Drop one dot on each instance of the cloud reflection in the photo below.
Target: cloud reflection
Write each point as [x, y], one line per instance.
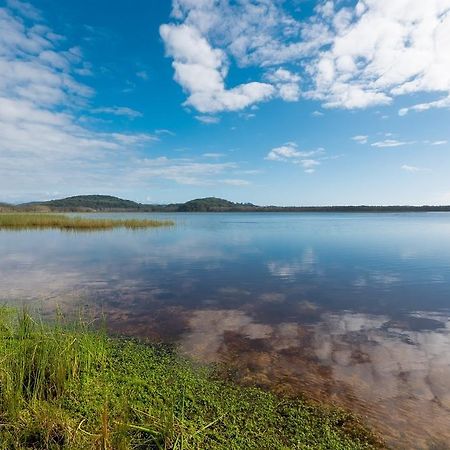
[397, 377]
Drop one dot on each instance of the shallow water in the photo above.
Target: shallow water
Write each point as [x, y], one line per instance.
[352, 308]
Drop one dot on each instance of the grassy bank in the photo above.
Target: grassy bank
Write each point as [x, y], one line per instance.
[29, 221]
[65, 386]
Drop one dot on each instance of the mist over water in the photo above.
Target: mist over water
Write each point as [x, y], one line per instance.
[352, 308]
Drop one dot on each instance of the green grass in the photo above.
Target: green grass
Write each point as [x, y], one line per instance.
[64, 386]
[29, 221]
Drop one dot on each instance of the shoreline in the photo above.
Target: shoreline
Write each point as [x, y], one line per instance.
[67, 385]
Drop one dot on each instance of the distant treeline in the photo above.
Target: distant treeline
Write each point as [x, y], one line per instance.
[107, 203]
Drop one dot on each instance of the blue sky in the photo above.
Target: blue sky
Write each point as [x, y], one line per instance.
[267, 101]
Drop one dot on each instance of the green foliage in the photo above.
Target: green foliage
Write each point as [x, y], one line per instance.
[64, 386]
[88, 202]
[25, 221]
[206, 204]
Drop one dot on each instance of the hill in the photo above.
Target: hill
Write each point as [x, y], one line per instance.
[206, 204]
[85, 203]
[90, 203]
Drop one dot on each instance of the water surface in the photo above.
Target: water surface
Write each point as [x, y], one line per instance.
[350, 308]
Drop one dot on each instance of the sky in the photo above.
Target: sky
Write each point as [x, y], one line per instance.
[266, 101]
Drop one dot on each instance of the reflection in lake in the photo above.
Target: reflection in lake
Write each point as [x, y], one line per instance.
[397, 377]
[352, 308]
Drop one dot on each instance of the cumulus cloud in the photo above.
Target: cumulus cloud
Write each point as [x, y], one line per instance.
[289, 152]
[25, 9]
[201, 70]
[352, 56]
[286, 83]
[382, 49]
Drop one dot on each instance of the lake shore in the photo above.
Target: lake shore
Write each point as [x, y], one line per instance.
[64, 385]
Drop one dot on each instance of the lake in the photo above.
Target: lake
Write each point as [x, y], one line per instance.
[348, 308]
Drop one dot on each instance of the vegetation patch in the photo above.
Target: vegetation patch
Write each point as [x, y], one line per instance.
[29, 221]
[65, 386]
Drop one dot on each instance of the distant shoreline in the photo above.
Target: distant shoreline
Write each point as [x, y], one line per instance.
[106, 203]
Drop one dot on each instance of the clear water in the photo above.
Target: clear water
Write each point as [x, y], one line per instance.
[352, 308]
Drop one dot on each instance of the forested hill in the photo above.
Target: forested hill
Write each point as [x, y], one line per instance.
[108, 203]
[211, 204]
[85, 203]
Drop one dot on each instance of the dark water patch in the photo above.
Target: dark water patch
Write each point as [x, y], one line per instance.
[413, 323]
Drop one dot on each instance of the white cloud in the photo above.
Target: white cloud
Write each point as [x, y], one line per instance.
[283, 153]
[289, 153]
[201, 70]
[119, 111]
[353, 56]
[133, 138]
[413, 169]
[208, 119]
[213, 155]
[235, 182]
[390, 143]
[439, 142]
[309, 164]
[382, 49]
[286, 83]
[25, 9]
[360, 139]
[36, 84]
[257, 32]
[441, 103]
[164, 131]
[181, 171]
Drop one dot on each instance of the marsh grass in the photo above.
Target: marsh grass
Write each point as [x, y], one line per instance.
[65, 386]
[29, 221]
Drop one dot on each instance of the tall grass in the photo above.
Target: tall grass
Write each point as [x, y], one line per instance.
[28, 221]
[64, 386]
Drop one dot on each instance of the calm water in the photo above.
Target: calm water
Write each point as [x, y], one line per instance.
[352, 308]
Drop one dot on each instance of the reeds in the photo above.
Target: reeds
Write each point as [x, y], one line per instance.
[30, 221]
